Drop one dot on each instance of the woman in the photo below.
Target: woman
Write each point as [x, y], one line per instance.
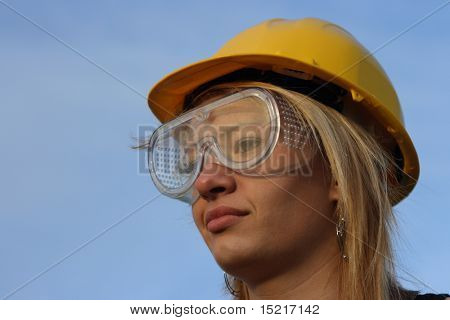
[289, 144]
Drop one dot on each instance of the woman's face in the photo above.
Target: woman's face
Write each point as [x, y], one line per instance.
[264, 225]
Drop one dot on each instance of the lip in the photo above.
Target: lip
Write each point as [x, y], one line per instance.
[222, 217]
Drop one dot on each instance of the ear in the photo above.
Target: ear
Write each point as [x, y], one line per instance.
[333, 194]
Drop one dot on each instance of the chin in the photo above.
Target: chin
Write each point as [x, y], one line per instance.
[234, 256]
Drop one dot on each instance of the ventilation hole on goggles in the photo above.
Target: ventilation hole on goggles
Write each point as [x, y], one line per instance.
[293, 131]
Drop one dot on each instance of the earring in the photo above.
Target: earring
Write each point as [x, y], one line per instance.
[340, 233]
[229, 287]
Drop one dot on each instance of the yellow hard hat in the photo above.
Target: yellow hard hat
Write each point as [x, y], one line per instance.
[312, 46]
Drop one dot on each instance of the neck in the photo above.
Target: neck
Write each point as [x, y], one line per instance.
[314, 279]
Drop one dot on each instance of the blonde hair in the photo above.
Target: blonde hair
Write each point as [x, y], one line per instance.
[366, 175]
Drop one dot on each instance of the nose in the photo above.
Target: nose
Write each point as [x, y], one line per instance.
[215, 180]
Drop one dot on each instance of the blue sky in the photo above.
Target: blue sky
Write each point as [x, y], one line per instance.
[67, 173]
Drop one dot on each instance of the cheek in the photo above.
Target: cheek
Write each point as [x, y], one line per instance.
[304, 186]
[274, 202]
[291, 209]
[284, 159]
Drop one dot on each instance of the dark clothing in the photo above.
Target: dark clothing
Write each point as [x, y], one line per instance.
[432, 296]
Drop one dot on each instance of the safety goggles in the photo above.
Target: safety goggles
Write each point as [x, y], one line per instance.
[239, 131]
